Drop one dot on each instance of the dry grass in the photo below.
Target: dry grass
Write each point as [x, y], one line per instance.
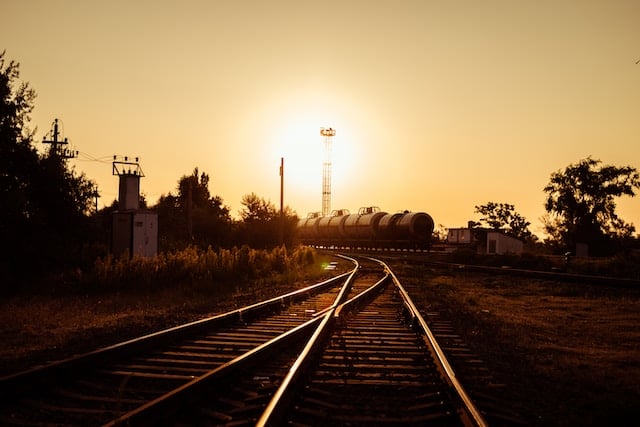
[41, 323]
[569, 353]
[37, 329]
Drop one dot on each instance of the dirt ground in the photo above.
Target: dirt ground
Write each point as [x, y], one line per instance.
[40, 329]
[569, 354]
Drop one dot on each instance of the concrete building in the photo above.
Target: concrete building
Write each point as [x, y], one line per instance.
[499, 243]
[134, 230]
[484, 241]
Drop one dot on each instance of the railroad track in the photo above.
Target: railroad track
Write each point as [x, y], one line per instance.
[98, 387]
[363, 355]
[375, 362]
[374, 369]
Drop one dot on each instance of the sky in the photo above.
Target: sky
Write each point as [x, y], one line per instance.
[437, 106]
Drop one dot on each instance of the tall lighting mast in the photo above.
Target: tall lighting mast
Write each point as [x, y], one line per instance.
[327, 139]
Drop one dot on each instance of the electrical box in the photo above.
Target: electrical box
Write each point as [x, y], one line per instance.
[135, 233]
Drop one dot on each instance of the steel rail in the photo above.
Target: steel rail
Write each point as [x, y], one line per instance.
[471, 414]
[17, 382]
[283, 396]
[155, 410]
[275, 410]
[158, 409]
[274, 413]
[427, 258]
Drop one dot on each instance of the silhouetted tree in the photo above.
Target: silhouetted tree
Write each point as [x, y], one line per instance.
[64, 201]
[43, 204]
[171, 223]
[502, 216]
[101, 229]
[581, 207]
[259, 226]
[262, 226]
[257, 209]
[193, 216]
[195, 186]
[18, 161]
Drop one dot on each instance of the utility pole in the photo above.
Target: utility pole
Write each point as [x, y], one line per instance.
[190, 210]
[281, 200]
[58, 146]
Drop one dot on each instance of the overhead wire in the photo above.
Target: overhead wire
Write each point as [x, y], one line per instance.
[88, 157]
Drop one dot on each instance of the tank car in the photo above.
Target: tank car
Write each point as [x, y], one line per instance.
[362, 228]
[414, 228]
[387, 227]
[308, 227]
[323, 231]
[370, 227]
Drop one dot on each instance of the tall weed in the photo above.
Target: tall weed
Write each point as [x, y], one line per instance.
[198, 268]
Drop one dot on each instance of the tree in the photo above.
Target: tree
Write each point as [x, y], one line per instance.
[64, 201]
[193, 216]
[581, 205]
[18, 161]
[257, 209]
[502, 216]
[262, 226]
[259, 227]
[44, 205]
[18, 158]
[194, 189]
[171, 223]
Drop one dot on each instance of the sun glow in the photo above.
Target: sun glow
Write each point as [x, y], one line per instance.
[301, 146]
[290, 123]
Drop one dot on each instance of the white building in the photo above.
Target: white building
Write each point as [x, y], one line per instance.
[135, 230]
[135, 233]
[499, 243]
[484, 240]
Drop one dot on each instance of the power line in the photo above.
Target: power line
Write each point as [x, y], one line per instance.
[89, 158]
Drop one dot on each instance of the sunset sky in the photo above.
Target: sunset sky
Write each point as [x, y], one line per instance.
[438, 106]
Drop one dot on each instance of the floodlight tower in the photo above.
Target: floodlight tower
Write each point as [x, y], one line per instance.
[327, 140]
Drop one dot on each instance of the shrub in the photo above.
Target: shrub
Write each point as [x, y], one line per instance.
[195, 267]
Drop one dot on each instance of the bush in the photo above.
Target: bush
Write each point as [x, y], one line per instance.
[195, 267]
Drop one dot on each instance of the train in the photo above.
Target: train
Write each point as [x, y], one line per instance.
[369, 228]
